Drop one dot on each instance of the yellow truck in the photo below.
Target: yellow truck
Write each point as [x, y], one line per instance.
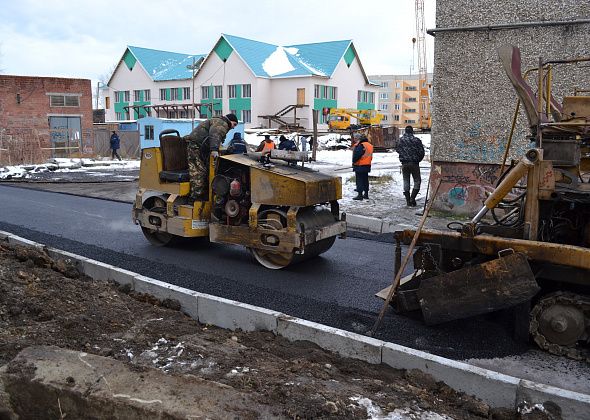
[339, 118]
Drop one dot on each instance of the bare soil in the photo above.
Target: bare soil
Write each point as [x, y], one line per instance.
[48, 302]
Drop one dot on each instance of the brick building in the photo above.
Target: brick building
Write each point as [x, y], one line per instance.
[44, 117]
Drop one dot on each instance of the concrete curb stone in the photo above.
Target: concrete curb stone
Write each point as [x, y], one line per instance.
[234, 315]
[495, 388]
[573, 405]
[345, 343]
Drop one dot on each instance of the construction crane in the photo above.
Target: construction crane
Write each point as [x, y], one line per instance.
[420, 41]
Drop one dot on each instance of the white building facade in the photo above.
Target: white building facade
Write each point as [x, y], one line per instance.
[263, 84]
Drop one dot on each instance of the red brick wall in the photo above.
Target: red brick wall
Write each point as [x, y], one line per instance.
[24, 126]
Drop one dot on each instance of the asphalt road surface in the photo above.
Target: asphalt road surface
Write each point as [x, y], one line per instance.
[335, 289]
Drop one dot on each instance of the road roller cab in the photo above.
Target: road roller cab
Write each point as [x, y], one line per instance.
[281, 211]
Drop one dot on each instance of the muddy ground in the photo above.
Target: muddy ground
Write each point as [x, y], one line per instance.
[47, 302]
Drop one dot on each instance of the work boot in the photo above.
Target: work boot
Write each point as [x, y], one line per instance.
[413, 197]
[408, 201]
[358, 197]
[366, 195]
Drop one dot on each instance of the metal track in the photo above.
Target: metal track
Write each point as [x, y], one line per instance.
[562, 299]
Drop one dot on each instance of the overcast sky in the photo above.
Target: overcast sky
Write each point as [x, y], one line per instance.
[76, 38]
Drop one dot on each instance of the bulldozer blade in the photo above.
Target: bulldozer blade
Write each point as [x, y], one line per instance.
[478, 289]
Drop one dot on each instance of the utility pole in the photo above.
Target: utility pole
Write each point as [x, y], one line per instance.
[192, 68]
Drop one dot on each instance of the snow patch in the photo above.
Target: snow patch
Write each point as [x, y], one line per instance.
[277, 63]
[375, 413]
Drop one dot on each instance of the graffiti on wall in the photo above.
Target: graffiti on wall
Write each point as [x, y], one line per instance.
[464, 186]
[477, 146]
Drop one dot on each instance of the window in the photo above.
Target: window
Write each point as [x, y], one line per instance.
[149, 132]
[410, 110]
[423, 107]
[217, 113]
[384, 118]
[136, 96]
[246, 91]
[316, 91]
[218, 92]
[410, 121]
[183, 114]
[423, 84]
[384, 96]
[64, 100]
[396, 117]
[333, 93]
[119, 115]
[174, 94]
[231, 91]
[162, 94]
[205, 92]
[384, 84]
[398, 85]
[397, 97]
[412, 88]
[325, 92]
[396, 107]
[411, 99]
[246, 116]
[186, 93]
[384, 107]
[147, 96]
[127, 96]
[366, 97]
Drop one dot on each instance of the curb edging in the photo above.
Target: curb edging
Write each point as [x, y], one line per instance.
[496, 389]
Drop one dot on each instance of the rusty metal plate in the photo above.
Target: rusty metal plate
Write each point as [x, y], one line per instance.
[478, 289]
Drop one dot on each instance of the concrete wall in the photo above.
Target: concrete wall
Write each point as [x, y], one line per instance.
[25, 112]
[473, 99]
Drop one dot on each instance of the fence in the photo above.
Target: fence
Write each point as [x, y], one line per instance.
[25, 145]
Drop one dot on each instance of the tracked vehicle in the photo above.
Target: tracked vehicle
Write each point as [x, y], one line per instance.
[280, 210]
[534, 256]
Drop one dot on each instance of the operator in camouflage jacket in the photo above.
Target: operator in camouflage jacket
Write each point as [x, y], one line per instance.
[411, 153]
[206, 137]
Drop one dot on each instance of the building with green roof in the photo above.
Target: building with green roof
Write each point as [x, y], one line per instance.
[265, 85]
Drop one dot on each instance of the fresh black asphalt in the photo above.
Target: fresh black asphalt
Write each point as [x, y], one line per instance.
[335, 289]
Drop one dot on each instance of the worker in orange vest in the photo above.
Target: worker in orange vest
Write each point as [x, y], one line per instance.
[362, 156]
[266, 145]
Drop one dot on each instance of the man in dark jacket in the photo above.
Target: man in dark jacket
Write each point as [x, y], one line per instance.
[411, 153]
[237, 145]
[362, 156]
[200, 142]
[286, 144]
[115, 145]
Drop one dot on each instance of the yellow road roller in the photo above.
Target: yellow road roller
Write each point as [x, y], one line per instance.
[282, 211]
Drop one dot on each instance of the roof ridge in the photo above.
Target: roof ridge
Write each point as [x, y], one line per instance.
[163, 51]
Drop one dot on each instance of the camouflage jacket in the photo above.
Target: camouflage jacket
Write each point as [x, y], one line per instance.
[214, 129]
[410, 149]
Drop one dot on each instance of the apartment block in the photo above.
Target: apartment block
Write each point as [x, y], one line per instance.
[404, 100]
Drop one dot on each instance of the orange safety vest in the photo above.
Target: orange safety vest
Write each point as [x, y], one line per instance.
[367, 157]
[268, 146]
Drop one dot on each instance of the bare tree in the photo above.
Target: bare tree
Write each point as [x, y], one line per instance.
[106, 76]
[103, 79]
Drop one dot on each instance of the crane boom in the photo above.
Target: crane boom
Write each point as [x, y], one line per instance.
[423, 102]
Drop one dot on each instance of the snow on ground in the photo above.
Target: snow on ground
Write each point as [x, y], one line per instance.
[67, 165]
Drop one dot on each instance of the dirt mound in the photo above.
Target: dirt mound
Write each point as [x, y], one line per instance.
[47, 302]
